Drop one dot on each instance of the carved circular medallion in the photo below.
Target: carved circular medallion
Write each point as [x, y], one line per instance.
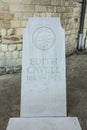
[44, 38]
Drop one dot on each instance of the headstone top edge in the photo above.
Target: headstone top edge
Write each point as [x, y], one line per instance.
[56, 19]
[44, 18]
[52, 19]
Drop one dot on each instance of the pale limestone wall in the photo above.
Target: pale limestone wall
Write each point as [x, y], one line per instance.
[14, 15]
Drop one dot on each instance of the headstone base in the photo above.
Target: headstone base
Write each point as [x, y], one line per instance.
[45, 123]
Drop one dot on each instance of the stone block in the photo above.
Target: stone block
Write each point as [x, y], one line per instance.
[8, 16]
[66, 3]
[27, 1]
[19, 31]
[55, 2]
[58, 9]
[62, 3]
[36, 2]
[48, 14]
[10, 31]
[13, 1]
[45, 2]
[39, 8]
[55, 14]
[10, 62]
[18, 61]
[31, 1]
[15, 23]
[2, 63]
[50, 9]
[16, 7]
[12, 47]
[36, 14]
[19, 47]
[42, 14]
[23, 23]
[54, 9]
[20, 54]
[29, 8]
[0, 48]
[2, 55]
[1, 16]
[6, 40]
[3, 32]
[9, 70]
[8, 55]
[18, 15]
[4, 47]
[1, 24]
[15, 54]
[2, 70]
[0, 42]
[62, 9]
[17, 68]
[26, 15]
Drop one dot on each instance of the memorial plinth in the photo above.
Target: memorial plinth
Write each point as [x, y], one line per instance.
[50, 123]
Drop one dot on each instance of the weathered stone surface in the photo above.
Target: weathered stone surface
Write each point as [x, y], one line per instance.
[29, 8]
[4, 48]
[28, 1]
[36, 2]
[9, 70]
[19, 31]
[16, 7]
[2, 55]
[12, 47]
[0, 39]
[45, 2]
[13, 1]
[19, 47]
[39, 8]
[18, 61]
[8, 55]
[15, 54]
[10, 31]
[2, 70]
[55, 2]
[26, 15]
[50, 9]
[61, 123]
[23, 23]
[43, 79]
[18, 15]
[3, 32]
[17, 68]
[15, 23]
[20, 54]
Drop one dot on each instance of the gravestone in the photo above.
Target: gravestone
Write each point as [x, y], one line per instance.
[43, 92]
[43, 77]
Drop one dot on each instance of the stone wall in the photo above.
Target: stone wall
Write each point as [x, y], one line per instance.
[14, 15]
[84, 45]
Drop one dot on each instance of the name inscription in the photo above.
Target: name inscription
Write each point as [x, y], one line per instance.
[43, 69]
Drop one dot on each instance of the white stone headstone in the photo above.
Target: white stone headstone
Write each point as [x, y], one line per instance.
[43, 91]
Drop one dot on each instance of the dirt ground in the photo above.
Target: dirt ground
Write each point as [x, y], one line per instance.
[10, 86]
